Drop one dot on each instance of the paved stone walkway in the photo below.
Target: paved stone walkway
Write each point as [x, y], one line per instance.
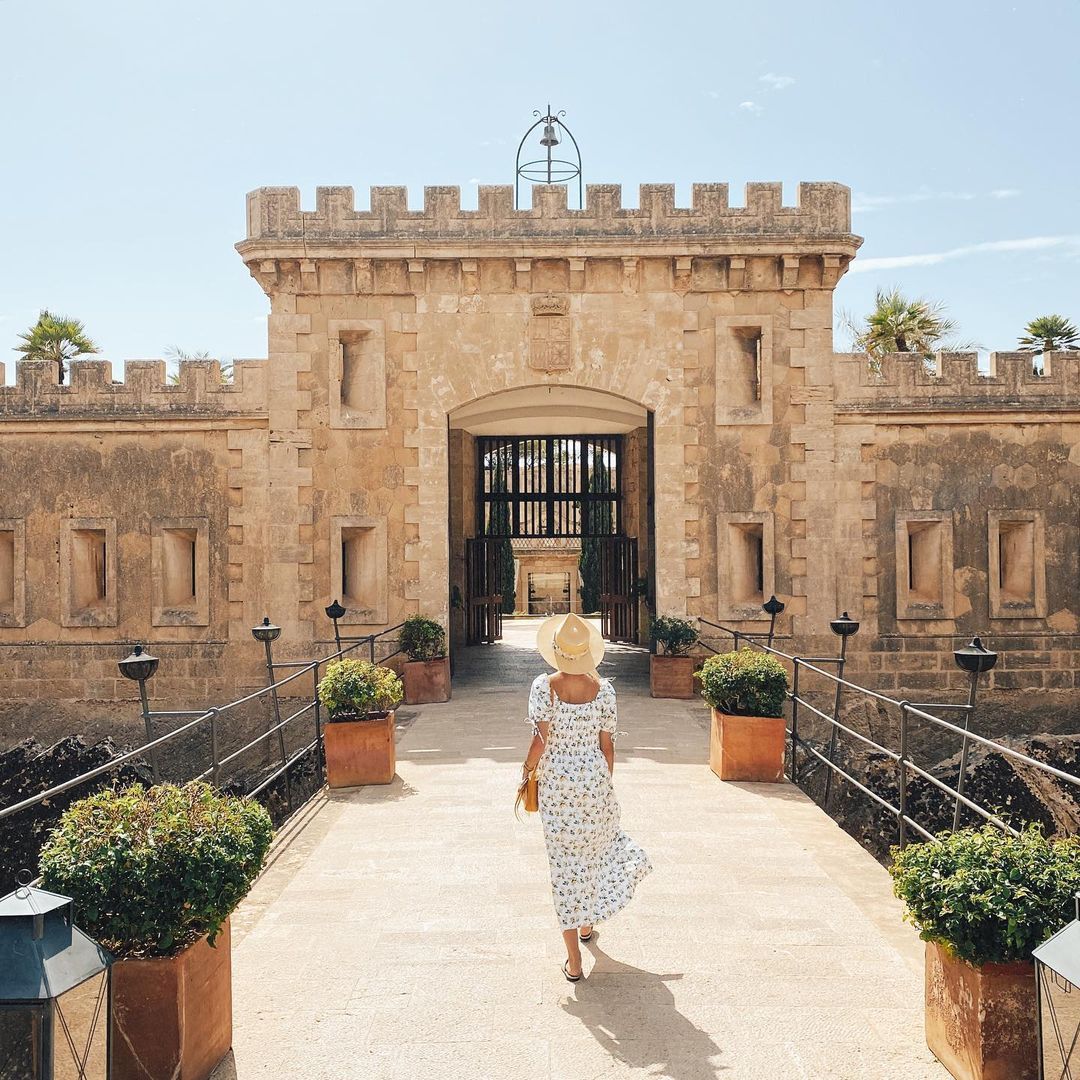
[408, 932]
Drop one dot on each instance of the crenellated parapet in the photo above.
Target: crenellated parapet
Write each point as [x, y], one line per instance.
[90, 390]
[903, 381]
[278, 226]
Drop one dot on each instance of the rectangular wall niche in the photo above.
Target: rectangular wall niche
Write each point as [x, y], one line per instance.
[1017, 550]
[924, 564]
[357, 373]
[745, 564]
[744, 359]
[358, 568]
[180, 571]
[88, 572]
[12, 573]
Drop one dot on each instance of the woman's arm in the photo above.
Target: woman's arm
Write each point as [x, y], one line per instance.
[536, 748]
[607, 748]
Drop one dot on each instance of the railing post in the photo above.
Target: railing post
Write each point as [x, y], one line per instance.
[320, 770]
[973, 658]
[795, 723]
[737, 638]
[215, 753]
[902, 773]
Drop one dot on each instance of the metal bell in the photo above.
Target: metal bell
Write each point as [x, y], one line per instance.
[550, 138]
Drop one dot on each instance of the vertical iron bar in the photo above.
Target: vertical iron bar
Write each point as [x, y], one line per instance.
[277, 718]
[215, 753]
[738, 637]
[371, 640]
[965, 748]
[834, 730]
[155, 771]
[795, 722]
[337, 635]
[772, 628]
[319, 766]
[901, 766]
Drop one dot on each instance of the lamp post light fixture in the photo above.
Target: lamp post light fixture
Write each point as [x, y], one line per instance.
[54, 991]
[974, 658]
[1057, 981]
[139, 666]
[844, 627]
[268, 633]
[336, 611]
[772, 607]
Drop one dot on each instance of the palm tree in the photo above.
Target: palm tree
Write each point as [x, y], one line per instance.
[58, 338]
[1050, 333]
[898, 324]
[176, 354]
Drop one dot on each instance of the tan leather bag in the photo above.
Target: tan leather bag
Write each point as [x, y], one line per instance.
[528, 794]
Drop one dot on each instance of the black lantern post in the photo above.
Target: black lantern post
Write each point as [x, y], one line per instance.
[1057, 978]
[336, 611]
[843, 628]
[139, 666]
[54, 991]
[974, 658]
[268, 633]
[772, 607]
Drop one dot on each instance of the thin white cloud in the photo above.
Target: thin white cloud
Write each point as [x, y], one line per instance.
[750, 106]
[1004, 193]
[714, 94]
[474, 179]
[777, 82]
[1067, 244]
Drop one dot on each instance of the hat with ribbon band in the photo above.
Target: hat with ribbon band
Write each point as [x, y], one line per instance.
[570, 644]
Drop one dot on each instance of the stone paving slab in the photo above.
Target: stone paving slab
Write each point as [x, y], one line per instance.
[407, 932]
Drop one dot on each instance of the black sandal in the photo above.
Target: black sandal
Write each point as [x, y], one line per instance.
[586, 938]
[566, 972]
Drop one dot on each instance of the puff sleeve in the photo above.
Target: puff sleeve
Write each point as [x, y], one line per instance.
[539, 702]
[608, 713]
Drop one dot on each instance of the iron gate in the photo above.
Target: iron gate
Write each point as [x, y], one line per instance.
[618, 589]
[483, 590]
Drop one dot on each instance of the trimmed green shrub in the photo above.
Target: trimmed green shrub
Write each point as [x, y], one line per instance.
[677, 636]
[423, 638]
[358, 690]
[153, 870]
[744, 683]
[986, 896]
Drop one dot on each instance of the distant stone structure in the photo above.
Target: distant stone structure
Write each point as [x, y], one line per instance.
[930, 501]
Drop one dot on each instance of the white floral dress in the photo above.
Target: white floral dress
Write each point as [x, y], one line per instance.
[595, 866]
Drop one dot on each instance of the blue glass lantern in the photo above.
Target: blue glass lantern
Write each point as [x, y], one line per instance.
[54, 991]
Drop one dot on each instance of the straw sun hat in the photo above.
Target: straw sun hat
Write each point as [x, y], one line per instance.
[570, 644]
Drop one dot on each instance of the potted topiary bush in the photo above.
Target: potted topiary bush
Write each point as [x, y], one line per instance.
[982, 900]
[155, 873]
[359, 698]
[671, 672]
[427, 673]
[747, 691]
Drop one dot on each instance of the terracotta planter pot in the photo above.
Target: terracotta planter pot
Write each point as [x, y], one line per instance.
[173, 1016]
[671, 676]
[747, 747]
[981, 1021]
[426, 681]
[360, 752]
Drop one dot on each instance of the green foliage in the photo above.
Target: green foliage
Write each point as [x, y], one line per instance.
[177, 354]
[422, 638]
[898, 324]
[56, 338]
[499, 525]
[744, 683]
[153, 870]
[987, 896]
[597, 523]
[355, 689]
[677, 636]
[1050, 333]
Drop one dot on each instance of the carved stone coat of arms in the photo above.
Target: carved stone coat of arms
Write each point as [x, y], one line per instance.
[549, 334]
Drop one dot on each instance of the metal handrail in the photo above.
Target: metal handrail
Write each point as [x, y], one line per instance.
[210, 716]
[904, 763]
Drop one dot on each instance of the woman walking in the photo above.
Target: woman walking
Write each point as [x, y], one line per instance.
[595, 866]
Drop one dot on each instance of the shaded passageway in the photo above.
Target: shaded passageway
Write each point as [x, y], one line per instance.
[408, 932]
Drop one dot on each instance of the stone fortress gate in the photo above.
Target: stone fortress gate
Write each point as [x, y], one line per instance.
[446, 385]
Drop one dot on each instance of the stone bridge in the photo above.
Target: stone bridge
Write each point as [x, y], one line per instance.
[408, 931]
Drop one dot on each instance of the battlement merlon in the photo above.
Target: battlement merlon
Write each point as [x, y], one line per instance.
[819, 223]
[90, 391]
[903, 382]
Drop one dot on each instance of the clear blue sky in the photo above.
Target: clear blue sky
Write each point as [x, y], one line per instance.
[131, 131]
